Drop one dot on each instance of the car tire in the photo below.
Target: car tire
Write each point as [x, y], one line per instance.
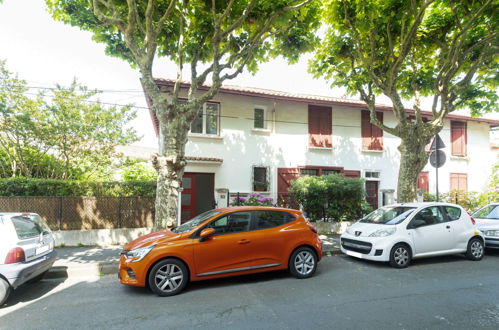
[168, 277]
[4, 291]
[303, 262]
[475, 250]
[400, 256]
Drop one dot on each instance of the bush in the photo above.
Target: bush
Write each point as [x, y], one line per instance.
[330, 197]
[47, 187]
[470, 201]
[254, 199]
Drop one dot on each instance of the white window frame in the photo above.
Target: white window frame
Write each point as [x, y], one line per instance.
[203, 125]
[372, 178]
[267, 178]
[266, 125]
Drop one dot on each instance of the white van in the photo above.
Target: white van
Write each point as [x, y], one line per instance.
[26, 250]
[402, 232]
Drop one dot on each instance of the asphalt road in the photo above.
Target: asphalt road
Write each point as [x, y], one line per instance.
[439, 293]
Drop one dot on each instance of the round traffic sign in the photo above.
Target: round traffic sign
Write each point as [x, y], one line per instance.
[441, 158]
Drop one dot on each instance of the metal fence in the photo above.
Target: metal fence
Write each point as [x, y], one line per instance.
[76, 213]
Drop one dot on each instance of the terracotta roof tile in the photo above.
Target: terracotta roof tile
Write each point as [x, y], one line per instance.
[308, 98]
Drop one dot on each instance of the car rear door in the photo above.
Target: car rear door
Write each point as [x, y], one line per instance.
[271, 240]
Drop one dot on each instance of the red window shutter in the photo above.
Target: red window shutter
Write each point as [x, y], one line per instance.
[314, 128]
[326, 128]
[423, 182]
[320, 126]
[351, 173]
[463, 182]
[377, 134]
[372, 136]
[459, 181]
[458, 136]
[365, 128]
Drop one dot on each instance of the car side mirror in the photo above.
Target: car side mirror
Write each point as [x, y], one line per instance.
[416, 223]
[206, 233]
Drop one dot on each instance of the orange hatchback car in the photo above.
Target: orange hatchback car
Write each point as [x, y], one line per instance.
[219, 243]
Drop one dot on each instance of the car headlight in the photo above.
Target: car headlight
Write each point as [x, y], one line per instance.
[138, 254]
[350, 230]
[494, 233]
[384, 232]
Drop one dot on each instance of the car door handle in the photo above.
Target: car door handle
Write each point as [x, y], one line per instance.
[448, 227]
[243, 241]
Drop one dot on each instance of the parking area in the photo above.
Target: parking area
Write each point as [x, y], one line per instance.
[439, 293]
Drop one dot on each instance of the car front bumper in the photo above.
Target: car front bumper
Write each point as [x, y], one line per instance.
[370, 248]
[21, 272]
[492, 242]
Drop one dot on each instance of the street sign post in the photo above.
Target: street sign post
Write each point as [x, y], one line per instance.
[437, 157]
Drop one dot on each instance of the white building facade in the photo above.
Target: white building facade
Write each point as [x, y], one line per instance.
[252, 140]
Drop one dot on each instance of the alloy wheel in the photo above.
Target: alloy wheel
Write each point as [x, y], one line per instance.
[476, 249]
[169, 277]
[304, 262]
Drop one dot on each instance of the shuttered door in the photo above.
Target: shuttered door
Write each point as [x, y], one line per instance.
[458, 138]
[423, 182]
[319, 126]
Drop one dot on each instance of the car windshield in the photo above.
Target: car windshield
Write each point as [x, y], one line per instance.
[29, 225]
[490, 212]
[391, 215]
[194, 222]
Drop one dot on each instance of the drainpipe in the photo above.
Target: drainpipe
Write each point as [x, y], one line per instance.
[179, 210]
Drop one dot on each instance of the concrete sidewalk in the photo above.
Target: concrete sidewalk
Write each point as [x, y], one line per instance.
[97, 261]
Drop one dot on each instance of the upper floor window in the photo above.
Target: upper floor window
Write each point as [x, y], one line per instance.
[320, 126]
[458, 138]
[208, 120]
[259, 118]
[372, 135]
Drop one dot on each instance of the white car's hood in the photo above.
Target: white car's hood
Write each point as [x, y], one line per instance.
[365, 229]
[487, 224]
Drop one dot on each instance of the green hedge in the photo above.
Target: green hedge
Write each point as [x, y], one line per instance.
[47, 187]
[330, 197]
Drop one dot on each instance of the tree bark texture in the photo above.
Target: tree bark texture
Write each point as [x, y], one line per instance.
[170, 164]
[413, 159]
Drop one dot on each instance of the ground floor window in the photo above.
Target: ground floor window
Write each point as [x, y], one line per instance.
[261, 178]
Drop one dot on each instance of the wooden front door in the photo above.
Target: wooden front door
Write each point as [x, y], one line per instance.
[188, 203]
[372, 193]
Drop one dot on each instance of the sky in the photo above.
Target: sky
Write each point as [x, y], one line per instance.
[45, 53]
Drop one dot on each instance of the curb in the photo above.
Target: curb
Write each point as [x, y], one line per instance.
[83, 270]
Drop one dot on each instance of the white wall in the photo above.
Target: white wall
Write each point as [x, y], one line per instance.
[286, 145]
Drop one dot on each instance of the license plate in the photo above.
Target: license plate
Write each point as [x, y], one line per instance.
[42, 249]
[354, 254]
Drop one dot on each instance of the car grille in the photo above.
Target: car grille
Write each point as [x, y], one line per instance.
[356, 246]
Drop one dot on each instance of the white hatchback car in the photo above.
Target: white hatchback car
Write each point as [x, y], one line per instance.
[26, 250]
[487, 220]
[399, 233]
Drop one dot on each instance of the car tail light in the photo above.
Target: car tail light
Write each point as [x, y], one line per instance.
[15, 255]
[472, 220]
